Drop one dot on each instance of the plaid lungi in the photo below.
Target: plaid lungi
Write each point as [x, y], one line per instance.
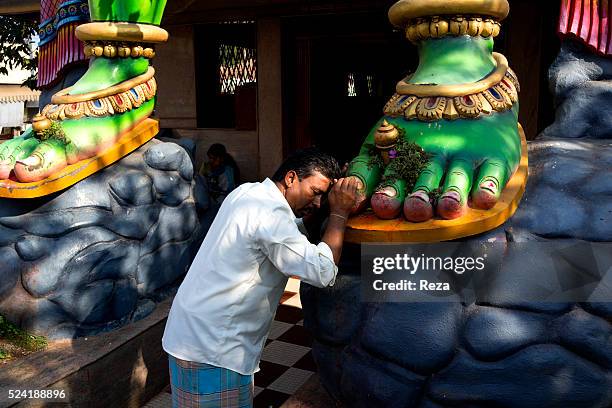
[196, 385]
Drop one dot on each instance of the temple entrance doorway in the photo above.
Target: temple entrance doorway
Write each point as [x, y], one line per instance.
[339, 72]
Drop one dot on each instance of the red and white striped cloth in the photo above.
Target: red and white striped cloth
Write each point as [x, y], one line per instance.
[64, 48]
[589, 20]
[57, 54]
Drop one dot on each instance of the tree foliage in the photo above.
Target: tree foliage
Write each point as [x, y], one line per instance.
[17, 50]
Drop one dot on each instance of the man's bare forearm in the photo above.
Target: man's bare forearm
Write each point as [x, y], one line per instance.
[334, 234]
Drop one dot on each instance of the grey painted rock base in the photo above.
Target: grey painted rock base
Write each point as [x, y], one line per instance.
[582, 85]
[103, 252]
[502, 354]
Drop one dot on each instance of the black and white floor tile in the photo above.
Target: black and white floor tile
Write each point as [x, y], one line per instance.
[286, 363]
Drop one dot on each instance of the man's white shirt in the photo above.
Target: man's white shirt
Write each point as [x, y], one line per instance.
[223, 310]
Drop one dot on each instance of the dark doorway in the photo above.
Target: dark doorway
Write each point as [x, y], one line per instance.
[226, 84]
[340, 71]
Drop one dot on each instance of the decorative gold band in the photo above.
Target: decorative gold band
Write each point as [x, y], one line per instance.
[111, 49]
[112, 105]
[499, 97]
[436, 27]
[402, 12]
[404, 88]
[63, 97]
[131, 32]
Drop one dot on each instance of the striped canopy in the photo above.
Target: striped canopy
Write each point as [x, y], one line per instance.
[589, 20]
[59, 46]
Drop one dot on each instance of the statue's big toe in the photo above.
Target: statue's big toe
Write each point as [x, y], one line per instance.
[40, 165]
[30, 170]
[386, 203]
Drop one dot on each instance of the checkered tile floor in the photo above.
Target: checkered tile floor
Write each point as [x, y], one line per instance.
[286, 363]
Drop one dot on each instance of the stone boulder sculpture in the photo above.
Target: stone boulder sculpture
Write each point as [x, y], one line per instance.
[103, 252]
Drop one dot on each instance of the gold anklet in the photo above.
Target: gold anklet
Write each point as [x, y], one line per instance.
[131, 32]
[435, 102]
[113, 49]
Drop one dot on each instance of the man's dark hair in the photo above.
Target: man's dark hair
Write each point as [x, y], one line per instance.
[306, 162]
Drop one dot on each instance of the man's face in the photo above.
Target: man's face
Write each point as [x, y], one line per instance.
[214, 161]
[304, 196]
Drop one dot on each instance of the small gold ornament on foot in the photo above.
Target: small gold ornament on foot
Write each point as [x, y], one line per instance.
[385, 138]
[40, 123]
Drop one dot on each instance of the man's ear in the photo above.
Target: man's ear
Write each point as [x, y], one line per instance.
[290, 178]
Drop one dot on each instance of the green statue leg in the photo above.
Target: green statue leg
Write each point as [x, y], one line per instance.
[107, 71]
[388, 199]
[150, 11]
[418, 207]
[116, 93]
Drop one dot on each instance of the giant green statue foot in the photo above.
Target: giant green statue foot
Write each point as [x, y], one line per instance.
[469, 161]
[460, 107]
[32, 158]
[115, 94]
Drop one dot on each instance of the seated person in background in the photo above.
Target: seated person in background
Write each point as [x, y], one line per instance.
[221, 173]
